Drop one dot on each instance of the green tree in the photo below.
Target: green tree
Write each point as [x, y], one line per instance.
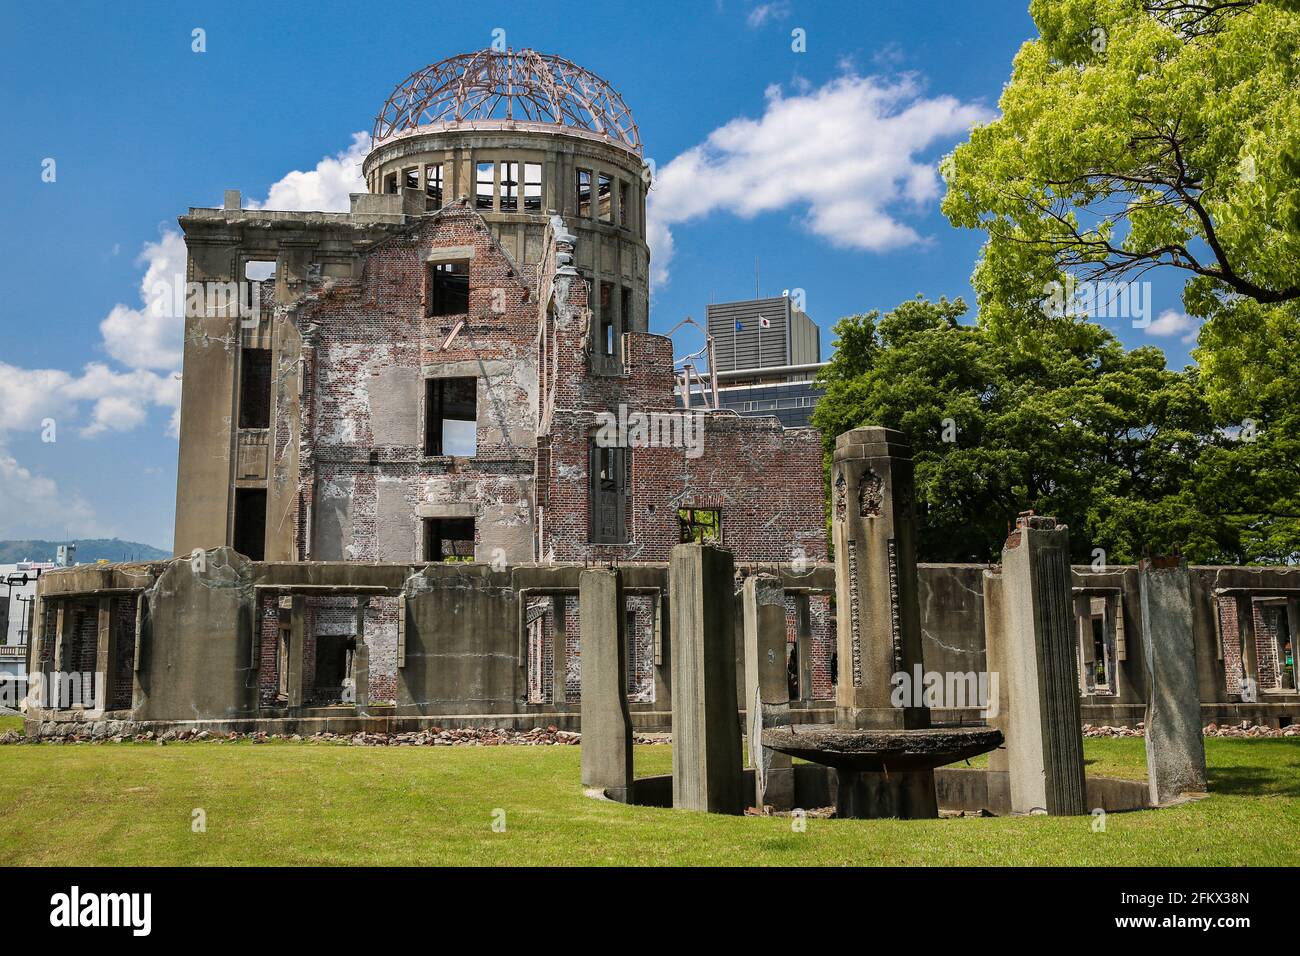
[1161, 134]
[1104, 439]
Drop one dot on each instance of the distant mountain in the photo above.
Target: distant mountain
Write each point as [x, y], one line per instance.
[89, 550]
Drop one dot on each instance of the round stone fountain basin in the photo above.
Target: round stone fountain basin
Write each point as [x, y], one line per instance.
[860, 751]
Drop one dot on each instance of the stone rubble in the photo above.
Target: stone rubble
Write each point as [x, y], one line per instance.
[433, 737]
[1243, 729]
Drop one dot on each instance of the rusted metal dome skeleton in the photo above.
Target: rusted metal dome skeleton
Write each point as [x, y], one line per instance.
[519, 89]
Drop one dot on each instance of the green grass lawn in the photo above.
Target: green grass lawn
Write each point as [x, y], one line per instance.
[303, 803]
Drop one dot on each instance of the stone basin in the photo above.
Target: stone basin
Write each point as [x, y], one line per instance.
[882, 750]
[883, 773]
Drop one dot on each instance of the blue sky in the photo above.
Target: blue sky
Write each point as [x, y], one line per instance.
[140, 127]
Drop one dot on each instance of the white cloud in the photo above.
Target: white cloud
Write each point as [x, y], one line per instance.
[1172, 322]
[119, 401]
[150, 336]
[326, 188]
[846, 153]
[764, 12]
[36, 508]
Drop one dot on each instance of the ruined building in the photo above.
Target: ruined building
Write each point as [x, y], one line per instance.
[426, 380]
[399, 452]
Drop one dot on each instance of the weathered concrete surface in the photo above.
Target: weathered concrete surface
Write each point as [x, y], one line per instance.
[879, 620]
[706, 729]
[196, 658]
[607, 733]
[767, 688]
[462, 640]
[1174, 745]
[1031, 648]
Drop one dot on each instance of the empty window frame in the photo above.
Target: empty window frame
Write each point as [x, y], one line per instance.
[584, 194]
[698, 525]
[605, 197]
[433, 186]
[451, 416]
[1096, 629]
[624, 190]
[250, 523]
[411, 177]
[448, 288]
[625, 309]
[1275, 659]
[484, 186]
[609, 481]
[390, 183]
[254, 388]
[533, 187]
[608, 325]
[509, 187]
[448, 539]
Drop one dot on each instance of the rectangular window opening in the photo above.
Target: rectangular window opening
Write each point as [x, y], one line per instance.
[448, 288]
[608, 327]
[584, 194]
[699, 525]
[451, 416]
[250, 523]
[533, 187]
[605, 196]
[448, 539]
[509, 187]
[411, 177]
[390, 183]
[608, 493]
[624, 188]
[433, 186]
[484, 186]
[254, 388]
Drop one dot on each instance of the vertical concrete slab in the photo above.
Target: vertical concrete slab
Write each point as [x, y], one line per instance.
[361, 661]
[1174, 744]
[707, 773]
[105, 652]
[767, 688]
[1030, 645]
[297, 647]
[606, 721]
[879, 634]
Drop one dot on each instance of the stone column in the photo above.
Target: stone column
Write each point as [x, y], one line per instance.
[559, 650]
[1030, 641]
[297, 646]
[707, 772]
[105, 654]
[1174, 744]
[361, 662]
[606, 721]
[767, 689]
[879, 620]
[803, 646]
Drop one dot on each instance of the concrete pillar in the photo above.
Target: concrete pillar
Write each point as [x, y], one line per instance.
[606, 721]
[879, 632]
[707, 772]
[1174, 744]
[361, 661]
[105, 653]
[1031, 652]
[297, 644]
[559, 650]
[767, 689]
[803, 646]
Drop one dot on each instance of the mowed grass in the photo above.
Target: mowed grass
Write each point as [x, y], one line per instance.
[305, 803]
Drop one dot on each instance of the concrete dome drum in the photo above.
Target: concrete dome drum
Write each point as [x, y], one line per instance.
[524, 89]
